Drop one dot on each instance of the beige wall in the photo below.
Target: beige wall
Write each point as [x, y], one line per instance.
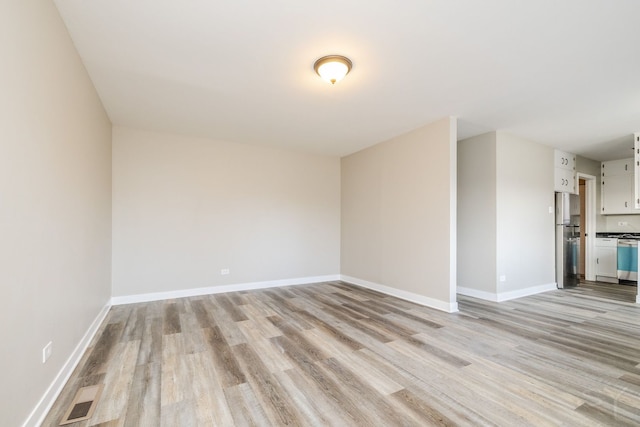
[55, 202]
[477, 206]
[526, 229]
[398, 213]
[184, 208]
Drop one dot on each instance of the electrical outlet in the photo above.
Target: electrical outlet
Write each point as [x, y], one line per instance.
[46, 351]
[550, 209]
[503, 278]
[224, 271]
[622, 223]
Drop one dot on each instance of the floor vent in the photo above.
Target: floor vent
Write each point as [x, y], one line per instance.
[83, 404]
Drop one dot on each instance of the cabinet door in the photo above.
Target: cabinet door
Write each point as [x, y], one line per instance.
[564, 160]
[617, 167]
[564, 181]
[636, 170]
[616, 194]
[607, 261]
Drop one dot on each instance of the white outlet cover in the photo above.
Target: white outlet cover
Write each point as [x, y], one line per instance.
[503, 278]
[224, 271]
[46, 351]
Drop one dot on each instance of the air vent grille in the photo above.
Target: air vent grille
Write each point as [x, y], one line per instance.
[83, 404]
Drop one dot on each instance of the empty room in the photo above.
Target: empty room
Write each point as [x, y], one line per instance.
[337, 214]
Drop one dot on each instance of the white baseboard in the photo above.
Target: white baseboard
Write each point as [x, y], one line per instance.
[475, 293]
[506, 296]
[409, 296]
[158, 296]
[48, 399]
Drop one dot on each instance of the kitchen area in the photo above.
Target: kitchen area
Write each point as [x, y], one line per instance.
[598, 222]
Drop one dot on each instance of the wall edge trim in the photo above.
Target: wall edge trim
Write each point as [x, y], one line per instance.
[405, 295]
[532, 290]
[182, 293]
[506, 296]
[476, 293]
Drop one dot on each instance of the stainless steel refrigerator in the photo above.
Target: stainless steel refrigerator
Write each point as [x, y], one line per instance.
[567, 240]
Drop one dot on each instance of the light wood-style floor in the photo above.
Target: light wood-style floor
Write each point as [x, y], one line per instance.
[337, 354]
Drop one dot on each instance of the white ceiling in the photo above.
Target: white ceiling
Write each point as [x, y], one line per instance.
[564, 73]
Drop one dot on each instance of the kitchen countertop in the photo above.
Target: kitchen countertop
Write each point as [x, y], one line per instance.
[618, 235]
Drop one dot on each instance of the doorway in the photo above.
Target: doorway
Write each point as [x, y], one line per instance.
[583, 255]
[587, 193]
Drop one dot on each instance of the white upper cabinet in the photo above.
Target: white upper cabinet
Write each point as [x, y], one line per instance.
[618, 180]
[565, 160]
[564, 176]
[564, 181]
[617, 167]
[617, 193]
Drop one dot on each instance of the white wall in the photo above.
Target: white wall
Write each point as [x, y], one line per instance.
[55, 203]
[398, 214]
[611, 223]
[506, 230]
[526, 230]
[477, 206]
[184, 208]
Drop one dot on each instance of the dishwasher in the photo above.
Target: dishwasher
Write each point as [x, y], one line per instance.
[628, 259]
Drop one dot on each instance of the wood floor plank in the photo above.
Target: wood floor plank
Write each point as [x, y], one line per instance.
[333, 332]
[171, 319]
[143, 406]
[329, 387]
[420, 409]
[225, 362]
[245, 407]
[211, 402]
[228, 327]
[341, 355]
[274, 400]
[100, 354]
[118, 381]
[311, 405]
[151, 342]
[273, 360]
[297, 336]
[235, 313]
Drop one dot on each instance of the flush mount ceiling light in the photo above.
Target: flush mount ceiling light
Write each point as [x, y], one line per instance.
[332, 68]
